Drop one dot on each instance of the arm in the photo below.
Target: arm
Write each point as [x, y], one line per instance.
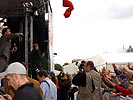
[80, 79]
[10, 36]
[116, 70]
[124, 68]
[128, 70]
[120, 89]
[123, 90]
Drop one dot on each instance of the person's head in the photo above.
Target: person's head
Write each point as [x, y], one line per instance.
[6, 31]
[89, 65]
[61, 74]
[130, 87]
[128, 75]
[35, 46]
[66, 77]
[121, 77]
[51, 74]
[41, 75]
[15, 75]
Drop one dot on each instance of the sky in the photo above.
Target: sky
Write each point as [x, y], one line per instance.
[95, 26]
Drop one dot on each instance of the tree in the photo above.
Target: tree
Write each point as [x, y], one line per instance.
[58, 67]
[66, 64]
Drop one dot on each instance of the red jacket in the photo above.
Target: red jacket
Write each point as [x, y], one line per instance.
[123, 90]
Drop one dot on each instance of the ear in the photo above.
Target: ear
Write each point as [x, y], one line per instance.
[43, 77]
[15, 76]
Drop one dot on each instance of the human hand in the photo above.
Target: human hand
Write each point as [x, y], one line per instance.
[103, 70]
[8, 96]
[114, 94]
[43, 54]
[128, 65]
[22, 34]
[108, 80]
[123, 68]
[1, 97]
[114, 66]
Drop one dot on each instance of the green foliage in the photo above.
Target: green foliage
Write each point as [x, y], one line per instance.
[58, 67]
[66, 64]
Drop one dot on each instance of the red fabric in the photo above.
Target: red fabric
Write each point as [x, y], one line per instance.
[123, 90]
[105, 97]
[67, 3]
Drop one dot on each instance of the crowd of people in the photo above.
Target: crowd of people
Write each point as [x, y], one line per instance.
[19, 86]
[118, 84]
[87, 84]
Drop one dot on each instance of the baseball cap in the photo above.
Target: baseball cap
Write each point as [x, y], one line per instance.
[52, 74]
[15, 67]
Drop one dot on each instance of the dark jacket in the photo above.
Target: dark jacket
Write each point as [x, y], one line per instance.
[91, 90]
[27, 92]
[35, 58]
[9, 90]
[80, 79]
[65, 87]
[5, 44]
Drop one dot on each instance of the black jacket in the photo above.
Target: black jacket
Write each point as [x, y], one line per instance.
[80, 79]
[27, 92]
[35, 59]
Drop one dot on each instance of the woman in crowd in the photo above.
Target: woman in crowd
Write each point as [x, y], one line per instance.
[65, 87]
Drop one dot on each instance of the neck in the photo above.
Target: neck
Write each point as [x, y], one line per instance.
[23, 81]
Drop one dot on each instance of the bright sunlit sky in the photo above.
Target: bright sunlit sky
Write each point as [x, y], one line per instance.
[95, 26]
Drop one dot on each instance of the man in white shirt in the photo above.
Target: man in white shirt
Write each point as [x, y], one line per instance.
[48, 87]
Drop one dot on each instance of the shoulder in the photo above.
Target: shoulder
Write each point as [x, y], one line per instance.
[44, 84]
[33, 81]
[93, 73]
[26, 94]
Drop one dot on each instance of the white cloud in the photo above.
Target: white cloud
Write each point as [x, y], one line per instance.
[94, 26]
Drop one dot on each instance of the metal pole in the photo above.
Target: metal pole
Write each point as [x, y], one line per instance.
[31, 33]
[26, 39]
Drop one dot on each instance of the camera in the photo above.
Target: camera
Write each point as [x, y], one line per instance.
[3, 93]
[62, 75]
[80, 64]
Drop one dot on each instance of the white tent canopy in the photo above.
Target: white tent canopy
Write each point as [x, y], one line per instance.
[107, 59]
[71, 68]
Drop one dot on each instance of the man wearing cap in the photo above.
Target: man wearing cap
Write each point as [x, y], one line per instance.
[51, 75]
[17, 78]
[9, 90]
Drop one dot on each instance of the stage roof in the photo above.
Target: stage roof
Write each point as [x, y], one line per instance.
[15, 7]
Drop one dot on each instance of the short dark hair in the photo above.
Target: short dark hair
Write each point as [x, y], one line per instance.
[34, 45]
[5, 30]
[42, 73]
[91, 64]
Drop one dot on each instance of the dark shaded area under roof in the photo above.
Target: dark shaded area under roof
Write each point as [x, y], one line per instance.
[13, 11]
[15, 7]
